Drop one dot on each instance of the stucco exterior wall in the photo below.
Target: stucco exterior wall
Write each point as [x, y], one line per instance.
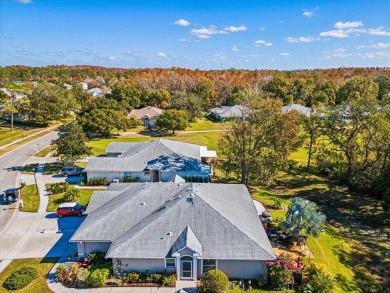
[243, 269]
[140, 265]
[86, 248]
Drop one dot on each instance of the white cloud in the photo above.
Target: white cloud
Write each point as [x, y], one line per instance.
[235, 29]
[335, 34]
[348, 24]
[262, 28]
[377, 46]
[308, 13]
[342, 55]
[263, 43]
[339, 50]
[182, 22]
[285, 54]
[378, 55]
[378, 32]
[112, 58]
[235, 48]
[205, 32]
[220, 56]
[300, 40]
[189, 40]
[161, 54]
[24, 1]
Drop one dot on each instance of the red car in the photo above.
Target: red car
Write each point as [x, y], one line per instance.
[70, 209]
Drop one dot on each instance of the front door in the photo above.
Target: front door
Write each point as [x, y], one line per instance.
[155, 175]
[186, 269]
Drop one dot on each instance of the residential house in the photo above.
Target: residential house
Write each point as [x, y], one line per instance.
[147, 115]
[157, 160]
[96, 92]
[226, 113]
[298, 108]
[188, 228]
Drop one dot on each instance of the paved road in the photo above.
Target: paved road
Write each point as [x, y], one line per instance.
[9, 174]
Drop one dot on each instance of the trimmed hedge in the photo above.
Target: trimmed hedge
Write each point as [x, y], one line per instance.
[21, 278]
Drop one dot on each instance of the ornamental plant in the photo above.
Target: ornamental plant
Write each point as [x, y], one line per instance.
[283, 271]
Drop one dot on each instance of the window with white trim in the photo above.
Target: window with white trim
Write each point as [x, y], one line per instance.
[170, 263]
[208, 264]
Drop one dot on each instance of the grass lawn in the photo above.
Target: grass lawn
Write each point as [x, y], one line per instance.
[43, 266]
[56, 200]
[53, 168]
[81, 164]
[44, 152]
[30, 199]
[205, 124]
[7, 136]
[99, 145]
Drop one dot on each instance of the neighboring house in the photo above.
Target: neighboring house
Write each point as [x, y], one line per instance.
[147, 115]
[298, 108]
[157, 160]
[225, 113]
[96, 92]
[84, 85]
[188, 228]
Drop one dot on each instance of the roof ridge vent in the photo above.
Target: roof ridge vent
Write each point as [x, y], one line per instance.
[143, 203]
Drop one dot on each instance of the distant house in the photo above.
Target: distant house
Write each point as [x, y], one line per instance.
[188, 228]
[96, 92]
[147, 115]
[154, 161]
[298, 108]
[225, 113]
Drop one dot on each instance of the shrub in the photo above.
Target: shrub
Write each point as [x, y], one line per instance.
[21, 278]
[320, 281]
[61, 272]
[132, 277]
[156, 278]
[72, 195]
[169, 281]
[129, 179]
[145, 278]
[281, 272]
[214, 281]
[58, 187]
[98, 277]
[97, 258]
[83, 275]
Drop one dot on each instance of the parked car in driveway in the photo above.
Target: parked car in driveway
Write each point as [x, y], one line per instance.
[72, 171]
[70, 209]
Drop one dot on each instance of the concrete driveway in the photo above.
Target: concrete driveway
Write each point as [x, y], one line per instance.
[34, 235]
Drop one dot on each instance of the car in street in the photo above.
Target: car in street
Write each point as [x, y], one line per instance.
[14, 193]
[72, 171]
[70, 209]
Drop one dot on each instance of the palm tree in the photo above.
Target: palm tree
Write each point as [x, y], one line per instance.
[302, 215]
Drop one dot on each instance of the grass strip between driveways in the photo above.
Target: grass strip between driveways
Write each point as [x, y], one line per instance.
[43, 266]
[30, 198]
[56, 200]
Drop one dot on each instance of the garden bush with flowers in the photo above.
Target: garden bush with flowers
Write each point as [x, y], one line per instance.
[284, 272]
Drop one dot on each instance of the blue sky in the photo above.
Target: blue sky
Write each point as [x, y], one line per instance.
[196, 34]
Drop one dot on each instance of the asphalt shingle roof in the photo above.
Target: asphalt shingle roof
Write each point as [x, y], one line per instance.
[162, 154]
[152, 220]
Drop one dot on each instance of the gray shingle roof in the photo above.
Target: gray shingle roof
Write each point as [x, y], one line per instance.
[187, 239]
[296, 107]
[147, 219]
[229, 111]
[162, 154]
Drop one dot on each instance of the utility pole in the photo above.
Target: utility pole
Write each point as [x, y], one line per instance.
[13, 96]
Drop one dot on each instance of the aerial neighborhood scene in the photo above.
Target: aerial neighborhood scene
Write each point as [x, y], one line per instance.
[195, 146]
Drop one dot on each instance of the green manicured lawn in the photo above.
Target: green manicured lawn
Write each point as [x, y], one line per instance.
[205, 124]
[30, 199]
[53, 168]
[56, 200]
[81, 164]
[7, 136]
[99, 145]
[43, 266]
[44, 152]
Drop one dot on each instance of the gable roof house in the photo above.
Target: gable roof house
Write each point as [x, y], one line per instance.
[306, 111]
[96, 92]
[225, 113]
[157, 160]
[189, 228]
[147, 115]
